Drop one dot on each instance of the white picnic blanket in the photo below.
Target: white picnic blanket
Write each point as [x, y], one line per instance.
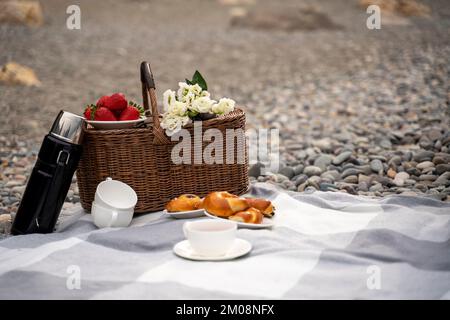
[324, 246]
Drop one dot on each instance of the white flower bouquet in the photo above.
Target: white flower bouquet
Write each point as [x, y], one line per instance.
[192, 102]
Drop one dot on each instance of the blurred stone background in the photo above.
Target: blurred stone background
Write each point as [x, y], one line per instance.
[359, 111]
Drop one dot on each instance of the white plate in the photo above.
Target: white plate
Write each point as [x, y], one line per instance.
[186, 214]
[266, 223]
[240, 248]
[105, 125]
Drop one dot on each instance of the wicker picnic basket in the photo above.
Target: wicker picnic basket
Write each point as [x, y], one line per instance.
[141, 157]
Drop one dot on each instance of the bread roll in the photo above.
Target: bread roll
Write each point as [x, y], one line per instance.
[251, 215]
[185, 202]
[224, 204]
[263, 205]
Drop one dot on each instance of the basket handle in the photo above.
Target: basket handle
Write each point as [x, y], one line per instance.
[148, 89]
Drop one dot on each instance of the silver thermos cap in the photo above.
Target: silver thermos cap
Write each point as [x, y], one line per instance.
[69, 127]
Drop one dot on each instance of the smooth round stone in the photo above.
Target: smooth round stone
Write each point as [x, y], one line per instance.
[312, 171]
[323, 161]
[413, 171]
[391, 173]
[351, 179]
[385, 143]
[399, 182]
[428, 170]
[421, 187]
[443, 179]
[331, 175]
[342, 157]
[300, 179]
[281, 178]
[376, 165]
[439, 160]
[298, 169]
[402, 175]
[288, 172]
[377, 157]
[425, 165]
[376, 187]
[364, 178]
[397, 160]
[441, 168]
[364, 169]
[363, 186]
[327, 187]
[255, 170]
[423, 155]
[350, 172]
[427, 177]
[410, 181]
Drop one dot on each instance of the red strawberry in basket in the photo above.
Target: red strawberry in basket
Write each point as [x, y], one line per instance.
[104, 114]
[116, 102]
[101, 102]
[130, 113]
[89, 112]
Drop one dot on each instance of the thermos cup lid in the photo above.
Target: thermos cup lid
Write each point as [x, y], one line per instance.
[69, 127]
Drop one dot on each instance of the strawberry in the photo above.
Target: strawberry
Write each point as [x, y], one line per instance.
[101, 102]
[116, 102]
[130, 113]
[89, 112]
[104, 114]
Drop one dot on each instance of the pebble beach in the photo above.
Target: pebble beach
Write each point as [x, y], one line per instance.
[360, 111]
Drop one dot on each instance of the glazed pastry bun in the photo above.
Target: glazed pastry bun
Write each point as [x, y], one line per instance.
[251, 215]
[265, 206]
[224, 204]
[185, 202]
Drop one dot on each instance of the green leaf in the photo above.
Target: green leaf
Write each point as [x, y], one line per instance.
[197, 78]
[139, 107]
[189, 82]
[191, 114]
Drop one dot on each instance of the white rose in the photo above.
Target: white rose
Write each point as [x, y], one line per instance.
[188, 98]
[224, 106]
[195, 89]
[168, 99]
[188, 90]
[202, 105]
[205, 94]
[177, 108]
[173, 123]
[183, 90]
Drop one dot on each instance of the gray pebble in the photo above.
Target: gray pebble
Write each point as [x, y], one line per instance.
[323, 161]
[312, 171]
[342, 157]
[288, 172]
[376, 165]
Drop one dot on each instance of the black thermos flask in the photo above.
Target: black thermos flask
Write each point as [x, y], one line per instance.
[51, 177]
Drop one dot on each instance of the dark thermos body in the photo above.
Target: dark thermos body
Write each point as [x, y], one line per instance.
[51, 177]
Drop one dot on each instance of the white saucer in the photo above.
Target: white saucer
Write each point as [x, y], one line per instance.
[108, 125]
[266, 223]
[240, 248]
[185, 214]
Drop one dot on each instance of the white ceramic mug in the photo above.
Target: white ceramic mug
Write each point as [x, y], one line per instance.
[107, 217]
[115, 194]
[114, 204]
[210, 237]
